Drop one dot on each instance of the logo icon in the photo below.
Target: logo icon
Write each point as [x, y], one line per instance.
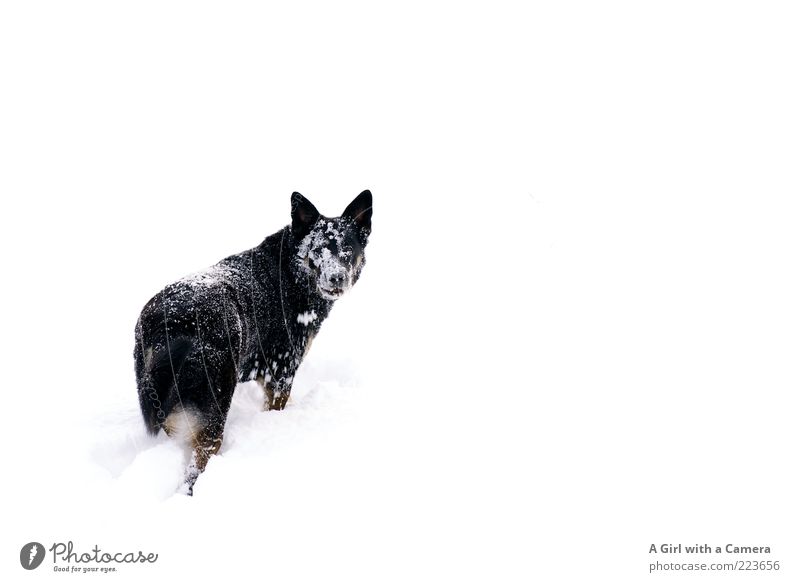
[31, 555]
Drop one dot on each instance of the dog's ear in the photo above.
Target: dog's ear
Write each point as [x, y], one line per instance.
[304, 215]
[360, 210]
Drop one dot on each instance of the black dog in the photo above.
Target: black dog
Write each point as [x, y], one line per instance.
[250, 316]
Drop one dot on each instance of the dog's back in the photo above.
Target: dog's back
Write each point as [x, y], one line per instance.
[196, 321]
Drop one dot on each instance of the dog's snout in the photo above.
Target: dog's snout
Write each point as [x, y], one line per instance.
[338, 279]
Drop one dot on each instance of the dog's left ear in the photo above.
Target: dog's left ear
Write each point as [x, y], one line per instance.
[360, 210]
[304, 215]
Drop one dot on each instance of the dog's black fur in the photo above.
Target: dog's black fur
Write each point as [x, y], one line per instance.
[250, 316]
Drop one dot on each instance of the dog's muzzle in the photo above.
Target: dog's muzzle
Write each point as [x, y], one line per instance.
[334, 285]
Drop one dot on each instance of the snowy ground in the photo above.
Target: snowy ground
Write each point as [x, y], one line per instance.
[575, 334]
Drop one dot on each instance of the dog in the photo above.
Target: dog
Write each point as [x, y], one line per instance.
[252, 316]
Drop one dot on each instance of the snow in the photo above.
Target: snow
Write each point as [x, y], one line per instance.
[305, 318]
[207, 277]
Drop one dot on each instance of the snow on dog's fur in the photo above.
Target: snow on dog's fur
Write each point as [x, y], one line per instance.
[251, 316]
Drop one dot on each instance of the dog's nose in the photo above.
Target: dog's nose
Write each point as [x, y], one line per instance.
[338, 279]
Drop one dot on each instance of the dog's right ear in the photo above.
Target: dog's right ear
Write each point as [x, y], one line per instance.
[360, 210]
[304, 215]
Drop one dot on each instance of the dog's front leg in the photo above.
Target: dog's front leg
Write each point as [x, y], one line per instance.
[276, 392]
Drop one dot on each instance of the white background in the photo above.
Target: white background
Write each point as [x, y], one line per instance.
[577, 333]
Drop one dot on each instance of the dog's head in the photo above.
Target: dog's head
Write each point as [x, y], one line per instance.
[331, 250]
